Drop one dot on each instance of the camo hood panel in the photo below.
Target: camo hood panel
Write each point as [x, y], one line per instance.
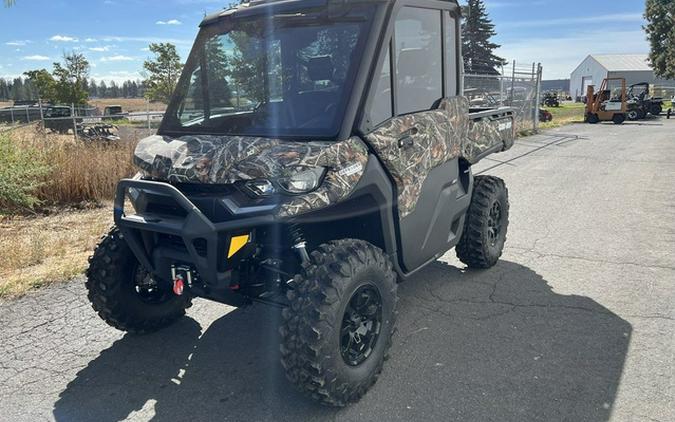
[438, 136]
[228, 159]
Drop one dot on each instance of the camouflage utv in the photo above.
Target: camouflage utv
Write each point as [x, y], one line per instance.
[314, 154]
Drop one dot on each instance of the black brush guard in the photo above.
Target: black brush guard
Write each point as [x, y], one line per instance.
[205, 241]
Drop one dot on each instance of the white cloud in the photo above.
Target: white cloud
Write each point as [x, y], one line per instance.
[117, 38]
[169, 22]
[35, 57]
[63, 38]
[90, 40]
[118, 58]
[103, 48]
[117, 76]
[17, 42]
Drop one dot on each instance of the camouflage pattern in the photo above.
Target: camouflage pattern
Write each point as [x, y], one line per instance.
[484, 133]
[438, 135]
[227, 159]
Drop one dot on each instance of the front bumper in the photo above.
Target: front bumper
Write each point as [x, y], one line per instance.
[187, 236]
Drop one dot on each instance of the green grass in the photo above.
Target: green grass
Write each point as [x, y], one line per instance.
[21, 174]
[564, 115]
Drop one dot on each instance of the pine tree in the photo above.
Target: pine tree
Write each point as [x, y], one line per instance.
[4, 90]
[93, 88]
[660, 15]
[477, 49]
[18, 92]
[103, 90]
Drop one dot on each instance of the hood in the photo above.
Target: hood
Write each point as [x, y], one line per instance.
[228, 159]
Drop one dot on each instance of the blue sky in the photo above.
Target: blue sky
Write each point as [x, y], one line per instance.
[114, 34]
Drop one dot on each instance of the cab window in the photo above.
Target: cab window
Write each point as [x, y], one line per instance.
[382, 108]
[418, 55]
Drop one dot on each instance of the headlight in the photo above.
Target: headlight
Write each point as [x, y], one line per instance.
[261, 187]
[303, 181]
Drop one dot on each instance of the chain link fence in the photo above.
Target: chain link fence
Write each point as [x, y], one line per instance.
[517, 86]
[83, 123]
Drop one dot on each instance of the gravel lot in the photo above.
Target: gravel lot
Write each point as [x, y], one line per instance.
[574, 324]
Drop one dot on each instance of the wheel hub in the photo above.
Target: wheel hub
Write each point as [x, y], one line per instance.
[147, 288]
[494, 223]
[361, 325]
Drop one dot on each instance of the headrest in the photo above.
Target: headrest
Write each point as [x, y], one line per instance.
[320, 68]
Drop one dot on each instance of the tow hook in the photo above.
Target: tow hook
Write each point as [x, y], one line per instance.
[180, 276]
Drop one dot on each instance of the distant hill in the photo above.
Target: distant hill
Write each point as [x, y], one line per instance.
[555, 85]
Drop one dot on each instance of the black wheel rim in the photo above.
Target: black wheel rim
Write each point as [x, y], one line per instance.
[361, 325]
[494, 223]
[147, 289]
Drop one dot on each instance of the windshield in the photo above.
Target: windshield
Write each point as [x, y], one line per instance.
[283, 75]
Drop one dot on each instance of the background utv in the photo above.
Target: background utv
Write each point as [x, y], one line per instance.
[314, 153]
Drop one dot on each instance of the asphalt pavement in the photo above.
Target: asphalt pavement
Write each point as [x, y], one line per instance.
[574, 324]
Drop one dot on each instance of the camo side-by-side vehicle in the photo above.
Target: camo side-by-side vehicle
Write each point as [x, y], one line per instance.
[314, 154]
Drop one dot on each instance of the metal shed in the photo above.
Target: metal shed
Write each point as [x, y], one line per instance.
[634, 68]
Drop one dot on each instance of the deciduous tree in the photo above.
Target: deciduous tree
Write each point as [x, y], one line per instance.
[660, 16]
[163, 71]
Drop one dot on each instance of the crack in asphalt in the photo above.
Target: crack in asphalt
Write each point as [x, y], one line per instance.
[592, 260]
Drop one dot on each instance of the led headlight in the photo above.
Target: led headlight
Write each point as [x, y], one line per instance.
[262, 187]
[302, 182]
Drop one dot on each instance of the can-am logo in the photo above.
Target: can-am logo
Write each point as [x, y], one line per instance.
[351, 169]
[505, 125]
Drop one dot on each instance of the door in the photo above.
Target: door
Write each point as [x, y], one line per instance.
[414, 138]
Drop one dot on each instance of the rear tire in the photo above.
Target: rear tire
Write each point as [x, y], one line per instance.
[337, 330]
[619, 119]
[486, 224]
[119, 292]
[656, 109]
[633, 115]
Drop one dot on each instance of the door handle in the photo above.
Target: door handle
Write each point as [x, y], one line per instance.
[406, 142]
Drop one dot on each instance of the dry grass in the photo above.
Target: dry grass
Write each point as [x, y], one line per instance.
[53, 243]
[39, 250]
[128, 104]
[79, 172]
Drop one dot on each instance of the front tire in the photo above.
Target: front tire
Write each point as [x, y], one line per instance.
[619, 119]
[337, 330]
[123, 293]
[486, 224]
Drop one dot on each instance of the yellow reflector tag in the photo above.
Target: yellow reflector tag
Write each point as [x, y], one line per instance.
[236, 244]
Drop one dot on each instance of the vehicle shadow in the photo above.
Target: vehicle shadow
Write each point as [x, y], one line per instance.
[472, 345]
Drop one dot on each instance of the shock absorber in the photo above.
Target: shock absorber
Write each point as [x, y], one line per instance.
[299, 242]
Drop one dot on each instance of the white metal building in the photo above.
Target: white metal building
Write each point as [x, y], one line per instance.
[633, 67]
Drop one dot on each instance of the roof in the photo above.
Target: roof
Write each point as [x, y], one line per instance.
[623, 62]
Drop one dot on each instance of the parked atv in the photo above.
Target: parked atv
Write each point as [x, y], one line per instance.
[551, 100]
[347, 176]
[640, 103]
[98, 132]
[545, 116]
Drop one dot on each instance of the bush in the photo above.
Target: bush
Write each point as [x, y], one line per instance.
[22, 173]
[38, 170]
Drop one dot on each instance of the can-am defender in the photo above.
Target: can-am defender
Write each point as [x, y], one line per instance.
[315, 152]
